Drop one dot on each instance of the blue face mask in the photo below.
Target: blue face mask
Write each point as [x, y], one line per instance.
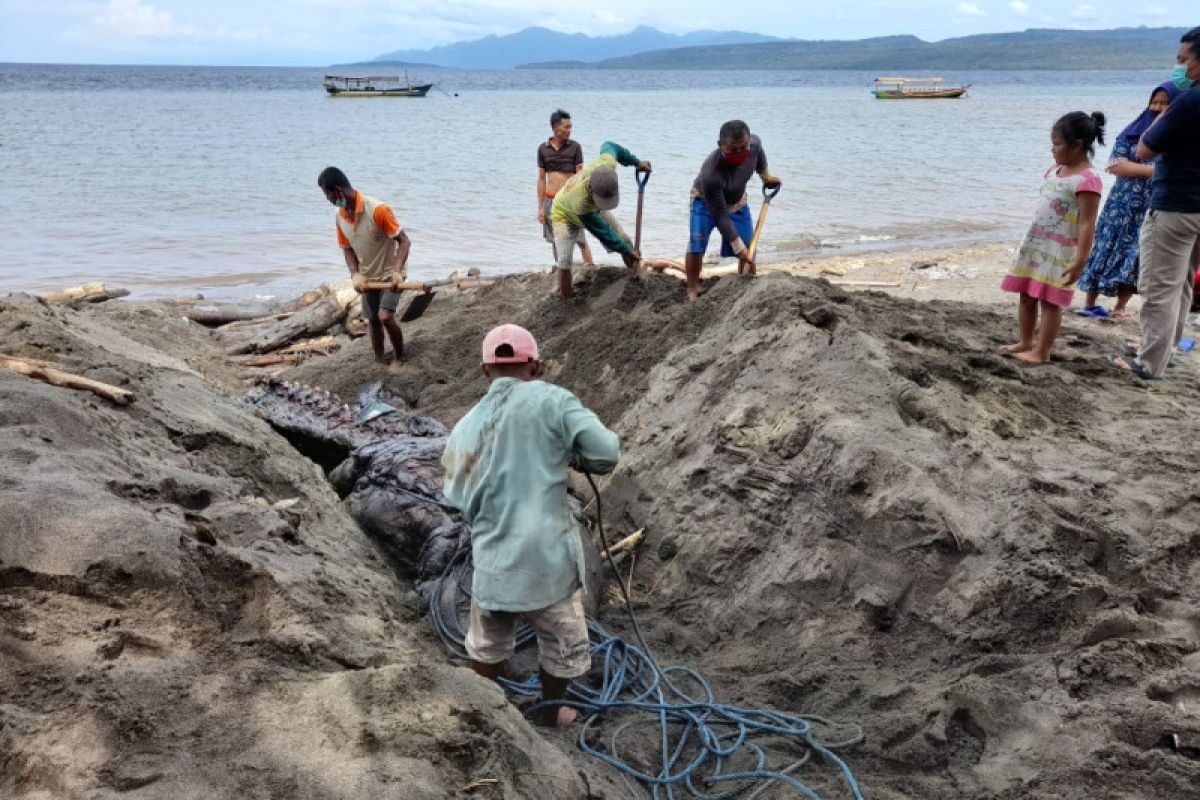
[1180, 79]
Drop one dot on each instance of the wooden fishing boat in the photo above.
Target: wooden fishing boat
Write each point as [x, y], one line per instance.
[374, 86]
[916, 89]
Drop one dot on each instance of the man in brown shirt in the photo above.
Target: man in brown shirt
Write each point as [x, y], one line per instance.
[558, 159]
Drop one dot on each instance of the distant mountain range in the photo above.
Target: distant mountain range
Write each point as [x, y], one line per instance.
[1121, 48]
[543, 44]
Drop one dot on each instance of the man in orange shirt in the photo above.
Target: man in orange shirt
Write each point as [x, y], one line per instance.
[376, 250]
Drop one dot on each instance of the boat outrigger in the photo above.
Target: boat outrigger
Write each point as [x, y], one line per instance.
[916, 89]
[374, 86]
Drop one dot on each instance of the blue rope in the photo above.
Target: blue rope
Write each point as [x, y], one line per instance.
[698, 737]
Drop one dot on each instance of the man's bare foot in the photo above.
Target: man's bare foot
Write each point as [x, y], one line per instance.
[1019, 347]
[396, 366]
[566, 716]
[1030, 357]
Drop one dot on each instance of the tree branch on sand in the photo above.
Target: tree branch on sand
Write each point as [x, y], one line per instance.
[42, 371]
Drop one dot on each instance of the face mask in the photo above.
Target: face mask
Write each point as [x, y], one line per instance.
[737, 159]
[341, 202]
[1180, 78]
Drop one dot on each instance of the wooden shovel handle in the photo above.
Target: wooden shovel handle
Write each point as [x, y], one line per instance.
[403, 286]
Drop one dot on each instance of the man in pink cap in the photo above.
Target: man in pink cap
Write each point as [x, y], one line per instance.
[506, 470]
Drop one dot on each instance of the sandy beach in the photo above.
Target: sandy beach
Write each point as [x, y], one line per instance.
[855, 507]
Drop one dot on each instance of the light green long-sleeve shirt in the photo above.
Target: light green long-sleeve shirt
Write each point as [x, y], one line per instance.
[506, 470]
[574, 199]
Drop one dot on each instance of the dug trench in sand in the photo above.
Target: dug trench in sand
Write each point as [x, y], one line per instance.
[388, 467]
[853, 507]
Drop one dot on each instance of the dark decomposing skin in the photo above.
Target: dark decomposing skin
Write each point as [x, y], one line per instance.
[388, 470]
[324, 427]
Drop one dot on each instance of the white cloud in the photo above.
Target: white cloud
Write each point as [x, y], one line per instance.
[133, 19]
[124, 20]
[607, 17]
[1084, 12]
[1153, 13]
[1019, 7]
[970, 10]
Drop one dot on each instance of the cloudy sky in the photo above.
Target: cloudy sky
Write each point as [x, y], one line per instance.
[319, 32]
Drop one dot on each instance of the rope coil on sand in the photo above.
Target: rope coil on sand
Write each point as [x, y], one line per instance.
[698, 738]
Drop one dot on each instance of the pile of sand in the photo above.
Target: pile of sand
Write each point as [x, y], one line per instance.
[854, 506]
[186, 610]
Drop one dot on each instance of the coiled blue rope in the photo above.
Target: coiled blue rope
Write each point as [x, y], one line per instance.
[706, 749]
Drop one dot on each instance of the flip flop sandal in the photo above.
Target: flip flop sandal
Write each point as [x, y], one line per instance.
[1088, 311]
[1130, 351]
[1132, 366]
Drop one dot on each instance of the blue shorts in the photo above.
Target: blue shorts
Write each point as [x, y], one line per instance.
[702, 227]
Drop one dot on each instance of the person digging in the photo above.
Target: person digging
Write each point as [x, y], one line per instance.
[506, 469]
[719, 200]
[376, 250]
[585, 202]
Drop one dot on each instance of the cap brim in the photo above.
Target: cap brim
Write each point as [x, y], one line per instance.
[606, 203]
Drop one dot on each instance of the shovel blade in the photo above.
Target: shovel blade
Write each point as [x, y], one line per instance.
[417, 307]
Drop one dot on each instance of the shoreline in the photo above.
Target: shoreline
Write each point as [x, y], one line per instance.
[880, 261]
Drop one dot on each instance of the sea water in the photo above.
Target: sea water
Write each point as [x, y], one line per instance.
[174, 180]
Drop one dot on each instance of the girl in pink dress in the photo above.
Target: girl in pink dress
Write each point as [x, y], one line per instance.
[1056, 247]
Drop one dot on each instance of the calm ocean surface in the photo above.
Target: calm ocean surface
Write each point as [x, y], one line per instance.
[173, 180]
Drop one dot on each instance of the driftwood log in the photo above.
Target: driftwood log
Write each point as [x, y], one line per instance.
[292, 354]
[88, 293]
[57, 377]
[323, 345]
[271, 359]
[220, 314]
[216, 314]
[660, 264]
[273, 334]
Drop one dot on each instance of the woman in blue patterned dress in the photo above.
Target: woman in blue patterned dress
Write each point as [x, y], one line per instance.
[1112, 268]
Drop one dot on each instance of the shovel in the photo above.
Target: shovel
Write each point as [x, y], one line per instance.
[768, 196]
[416, 306]
[642, 179]
[373, 411]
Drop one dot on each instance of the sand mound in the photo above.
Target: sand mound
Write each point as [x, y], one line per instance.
[854, 508]
[857, 508]
[186, 611]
